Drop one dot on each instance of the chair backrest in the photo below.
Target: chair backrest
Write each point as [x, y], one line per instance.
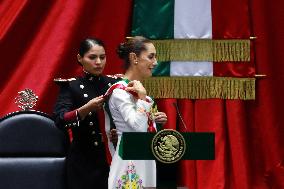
[32, 152]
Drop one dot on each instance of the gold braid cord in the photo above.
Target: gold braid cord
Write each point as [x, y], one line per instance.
[235, 50]
[201, 87]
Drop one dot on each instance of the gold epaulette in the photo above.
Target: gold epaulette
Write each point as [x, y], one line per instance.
[60, 80]
[116, 76]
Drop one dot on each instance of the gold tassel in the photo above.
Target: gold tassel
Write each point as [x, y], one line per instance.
[203, 50]
[201, 87]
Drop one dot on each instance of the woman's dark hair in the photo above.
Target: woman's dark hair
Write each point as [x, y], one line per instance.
[88, 43]
[132, 45]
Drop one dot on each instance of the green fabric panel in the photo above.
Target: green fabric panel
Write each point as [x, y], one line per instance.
[162, 69]
[153, 19]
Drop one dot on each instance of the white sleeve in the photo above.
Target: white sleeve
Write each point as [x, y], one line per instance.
[133, 112]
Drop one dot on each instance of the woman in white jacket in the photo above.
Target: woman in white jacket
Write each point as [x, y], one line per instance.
[129, 107]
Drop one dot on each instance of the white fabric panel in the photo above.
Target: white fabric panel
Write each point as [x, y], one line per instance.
[192, 19]
[191, 69]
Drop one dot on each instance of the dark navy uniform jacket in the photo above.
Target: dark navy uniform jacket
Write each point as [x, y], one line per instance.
[87, 165]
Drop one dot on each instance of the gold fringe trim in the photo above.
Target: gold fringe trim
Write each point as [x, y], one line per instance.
[203, 50]
[201, 87]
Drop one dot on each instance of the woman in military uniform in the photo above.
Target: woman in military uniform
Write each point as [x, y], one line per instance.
[77, 108]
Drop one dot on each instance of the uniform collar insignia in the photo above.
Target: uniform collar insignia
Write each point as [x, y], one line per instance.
[91, 77]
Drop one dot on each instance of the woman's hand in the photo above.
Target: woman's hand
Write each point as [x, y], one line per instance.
[160, 117]
[93, 105]
[96, 103]
[137, 87]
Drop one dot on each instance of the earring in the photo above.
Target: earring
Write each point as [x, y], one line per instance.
[136, 62]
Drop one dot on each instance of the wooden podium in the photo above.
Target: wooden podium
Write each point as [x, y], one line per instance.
[137, 146]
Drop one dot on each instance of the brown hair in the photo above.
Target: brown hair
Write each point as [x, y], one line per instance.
[132, 45]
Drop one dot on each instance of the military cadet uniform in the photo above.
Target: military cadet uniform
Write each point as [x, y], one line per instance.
[87, 165]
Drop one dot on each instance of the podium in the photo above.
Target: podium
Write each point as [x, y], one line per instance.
[138, 146]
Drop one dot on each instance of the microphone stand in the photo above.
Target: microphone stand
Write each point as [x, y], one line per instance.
[179, 115]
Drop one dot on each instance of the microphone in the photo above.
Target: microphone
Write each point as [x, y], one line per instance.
[179, 115]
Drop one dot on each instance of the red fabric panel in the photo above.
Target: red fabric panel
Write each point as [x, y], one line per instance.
[167, 106]
[9, 12]
[40, 41]
[187, 168]
[266, 113]
[249, 134]
[231, 20]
